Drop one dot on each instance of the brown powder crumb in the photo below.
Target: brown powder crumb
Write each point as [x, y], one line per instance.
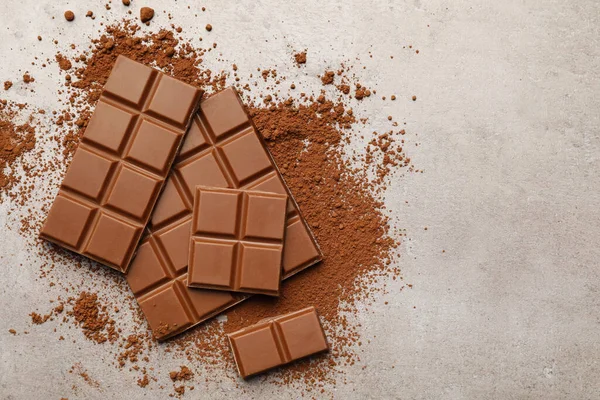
[327, 78]
[126, 2]
[300, 58]
[28, 78]
[361, 92]
[414, 98]
[93, 318]
[7, 85]
[344, 88]
[393, 97]
[144, 381]
[82, 372]
[69, 15]
[39, 38]
[184, 374]
[180, 390]
[146, 14]
[39, 319]
[63, 62]
[12, 331]
[209, 27]
[89, 14]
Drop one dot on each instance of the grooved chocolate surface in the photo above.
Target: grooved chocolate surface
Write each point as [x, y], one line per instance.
[277, 341]
[222, 149]
[119, 168]
[237, 240]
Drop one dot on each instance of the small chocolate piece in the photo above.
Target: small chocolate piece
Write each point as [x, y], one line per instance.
[237, 240]
[222, 149]
[277, 341]
[120, 166]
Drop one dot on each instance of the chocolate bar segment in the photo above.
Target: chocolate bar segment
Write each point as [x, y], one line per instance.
[221, 133]
[119, 168]
[277, 341]
[237, 240]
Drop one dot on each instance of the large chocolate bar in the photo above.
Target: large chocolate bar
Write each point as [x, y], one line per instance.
[221, 149]
[119, 168]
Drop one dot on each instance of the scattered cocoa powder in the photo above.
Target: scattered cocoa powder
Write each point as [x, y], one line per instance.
[15, 141]
[27, 78]
[144, 381]
[92, 317]
[69, 15]
[209, 27]
[126, 2]
[7, 85]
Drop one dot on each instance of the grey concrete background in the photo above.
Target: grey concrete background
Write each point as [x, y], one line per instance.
[507, 121]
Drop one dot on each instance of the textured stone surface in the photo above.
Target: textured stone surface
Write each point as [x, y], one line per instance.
[508, 124]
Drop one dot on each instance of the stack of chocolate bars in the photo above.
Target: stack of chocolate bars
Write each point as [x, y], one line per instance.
[181, 194]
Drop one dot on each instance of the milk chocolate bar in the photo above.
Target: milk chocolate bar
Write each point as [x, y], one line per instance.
[222, 149]
[278, 341]
[119, 168]
[237, 240]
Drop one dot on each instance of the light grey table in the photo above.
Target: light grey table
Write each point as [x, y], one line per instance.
[507, 119]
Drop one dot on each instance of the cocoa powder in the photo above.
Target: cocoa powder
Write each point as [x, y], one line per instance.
[15, 140]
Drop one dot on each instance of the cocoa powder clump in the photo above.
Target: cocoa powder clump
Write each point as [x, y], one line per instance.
[300, 58]
[69, 15]
[93, 318]
[63, 62]
[146, 14]
[15, 141]
[327, 78]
